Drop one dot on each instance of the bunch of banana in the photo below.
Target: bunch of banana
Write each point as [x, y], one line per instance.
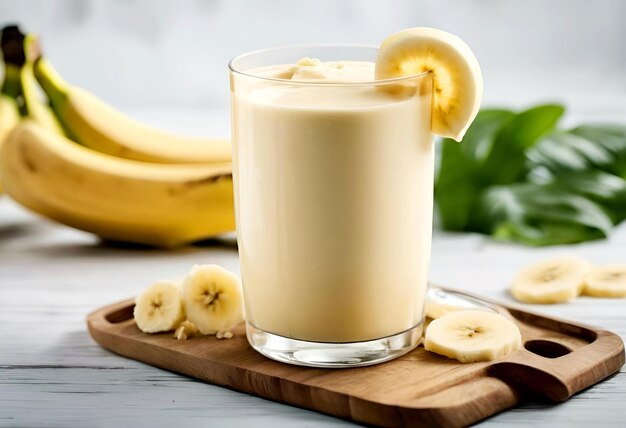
[10, 90]
[84, 164]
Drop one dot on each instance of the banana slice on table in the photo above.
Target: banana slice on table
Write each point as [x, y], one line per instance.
[470, 336]
[606, 281]
[457, 79]
[552, 281]
[159, 308]
[213, 299]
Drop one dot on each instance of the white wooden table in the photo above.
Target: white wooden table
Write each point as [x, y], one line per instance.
[53, 375]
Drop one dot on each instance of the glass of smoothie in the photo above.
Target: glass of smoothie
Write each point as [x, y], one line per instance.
[333, 169]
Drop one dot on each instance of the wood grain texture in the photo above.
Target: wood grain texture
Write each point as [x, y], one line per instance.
[420, 387]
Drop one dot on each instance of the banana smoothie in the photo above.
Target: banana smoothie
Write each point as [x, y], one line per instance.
[334, 193]
[333, 167]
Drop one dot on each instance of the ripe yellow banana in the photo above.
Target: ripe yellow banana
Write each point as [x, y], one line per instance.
[9, 118]
[94, 124]
[35, 108]
[120, 199]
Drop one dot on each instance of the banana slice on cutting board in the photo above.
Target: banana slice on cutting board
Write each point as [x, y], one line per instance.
[213, 299]
[470, 336]
[606, 281]
[457, 78]
[186, 330]
[159, 308]
[434, 310]
[552, 281]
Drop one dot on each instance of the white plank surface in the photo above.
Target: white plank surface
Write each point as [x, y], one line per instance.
[52, 374]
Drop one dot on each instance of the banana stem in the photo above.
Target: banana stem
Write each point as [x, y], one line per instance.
[51, 82]
[13, 55]
[11, 83]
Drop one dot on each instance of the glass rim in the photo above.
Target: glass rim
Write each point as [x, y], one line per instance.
[392, 80]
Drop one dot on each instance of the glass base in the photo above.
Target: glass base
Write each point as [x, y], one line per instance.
[333, 355]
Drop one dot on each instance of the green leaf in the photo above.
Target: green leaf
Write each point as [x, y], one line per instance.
[548, 233]
[611, 138]
[506, 162]
[608, 190]
[457, 184]
[540, 214]
[518, 178]
[563, 151]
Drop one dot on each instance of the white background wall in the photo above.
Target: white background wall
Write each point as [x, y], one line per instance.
[141, 54]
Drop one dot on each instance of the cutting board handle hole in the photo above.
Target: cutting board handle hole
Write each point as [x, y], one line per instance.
[120, 315]
[547, 348]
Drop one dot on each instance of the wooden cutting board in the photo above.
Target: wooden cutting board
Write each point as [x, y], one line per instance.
[559, 359]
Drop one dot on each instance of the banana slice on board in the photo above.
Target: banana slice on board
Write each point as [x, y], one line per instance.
[457, 79]
[552, 281]
[470, 336]
[213, 299]
[436, 310]
[159, 308]
[186, 330]
[606, 281]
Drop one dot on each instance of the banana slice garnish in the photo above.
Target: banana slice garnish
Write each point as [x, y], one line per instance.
[213, 299]
[606, 281]
[457, 78]
[470, 336]
[159, 308]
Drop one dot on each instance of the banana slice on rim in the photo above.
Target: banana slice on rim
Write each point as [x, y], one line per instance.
[606, 281]
[213, 299]
[457, 79]
[470, 336]
[552, 281]
[159, 308]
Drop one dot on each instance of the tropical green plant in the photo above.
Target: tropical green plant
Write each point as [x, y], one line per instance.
[517, 176]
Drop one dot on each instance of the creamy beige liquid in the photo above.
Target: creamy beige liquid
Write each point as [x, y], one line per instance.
[334, 193]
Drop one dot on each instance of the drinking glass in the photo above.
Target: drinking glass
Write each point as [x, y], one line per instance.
[334, 204]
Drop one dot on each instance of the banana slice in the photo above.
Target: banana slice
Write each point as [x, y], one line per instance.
[436, 310]
[457, 79]
[551, 281]
[159, 308]
[606, 281]
[186, 330]
[470, 336]
[213, 299]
